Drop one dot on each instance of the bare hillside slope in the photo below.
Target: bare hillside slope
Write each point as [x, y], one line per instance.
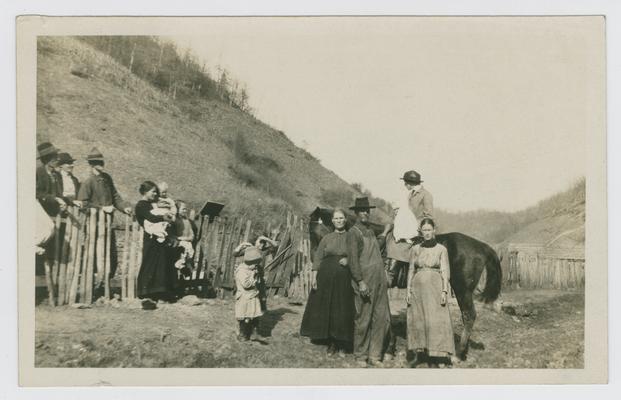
[204, 149]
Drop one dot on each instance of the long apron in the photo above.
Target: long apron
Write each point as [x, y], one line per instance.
[372, 324]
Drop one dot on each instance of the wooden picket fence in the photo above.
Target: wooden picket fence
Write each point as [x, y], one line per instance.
[287, 268]
[86, 245]
[540, 267]
[81, 256]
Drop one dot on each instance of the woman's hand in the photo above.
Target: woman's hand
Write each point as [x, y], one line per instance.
[408, 296]
[314, 280]
[343, 261]
[443, 299]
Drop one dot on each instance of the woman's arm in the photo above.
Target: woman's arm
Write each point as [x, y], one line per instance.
[143, 211]
[445, 269]
[319, 253]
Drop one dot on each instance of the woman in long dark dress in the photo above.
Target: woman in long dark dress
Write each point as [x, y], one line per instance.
[330, 310]
[157, 277]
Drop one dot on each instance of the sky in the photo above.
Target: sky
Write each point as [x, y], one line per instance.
[490, 111]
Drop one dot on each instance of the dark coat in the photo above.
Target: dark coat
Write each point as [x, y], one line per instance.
[47, 190]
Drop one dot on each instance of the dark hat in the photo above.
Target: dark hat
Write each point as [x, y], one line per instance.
[46, 149]
[65, 158]
[412, 177]
[361, 203]
[95, 155]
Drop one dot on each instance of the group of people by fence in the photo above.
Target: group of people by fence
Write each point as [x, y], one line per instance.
[348, 310]
[168, 232]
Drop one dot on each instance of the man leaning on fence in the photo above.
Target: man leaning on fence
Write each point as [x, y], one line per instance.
[98, 191]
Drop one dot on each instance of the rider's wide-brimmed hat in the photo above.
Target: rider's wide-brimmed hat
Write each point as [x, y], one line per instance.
[361, 203]
[95, 155]
[411, 177]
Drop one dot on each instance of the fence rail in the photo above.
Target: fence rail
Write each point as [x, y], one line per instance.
[88, 249]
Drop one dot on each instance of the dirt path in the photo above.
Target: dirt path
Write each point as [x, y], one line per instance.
[546, 331]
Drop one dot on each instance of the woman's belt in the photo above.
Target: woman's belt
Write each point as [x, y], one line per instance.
[417, 268]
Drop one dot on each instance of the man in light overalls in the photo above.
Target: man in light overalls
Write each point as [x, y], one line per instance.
[372, 324]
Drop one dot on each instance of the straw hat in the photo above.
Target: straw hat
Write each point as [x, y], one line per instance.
[252, 254]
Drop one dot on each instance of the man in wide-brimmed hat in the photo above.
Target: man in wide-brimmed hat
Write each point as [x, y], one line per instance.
[372, 324]
[98, 190]
[46, 183]
[68, 184]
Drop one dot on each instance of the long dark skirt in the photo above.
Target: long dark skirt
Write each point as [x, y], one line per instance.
[157, 279]
[330, 309]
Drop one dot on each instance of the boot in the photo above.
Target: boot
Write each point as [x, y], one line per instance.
[391, 272]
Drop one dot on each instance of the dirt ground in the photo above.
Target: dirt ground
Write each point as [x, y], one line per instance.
[536, 329]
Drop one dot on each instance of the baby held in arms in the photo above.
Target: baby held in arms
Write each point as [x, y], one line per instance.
[165, 206]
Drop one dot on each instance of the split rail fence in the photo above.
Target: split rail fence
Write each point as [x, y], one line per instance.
[88, 249]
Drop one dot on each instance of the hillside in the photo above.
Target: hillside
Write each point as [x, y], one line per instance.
[204, 148]
[562, 213]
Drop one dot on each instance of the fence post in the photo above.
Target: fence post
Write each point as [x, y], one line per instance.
[108, 253]
[76, 264]
[100, 248]
[125, 266]
[64, 258]
[91, 256]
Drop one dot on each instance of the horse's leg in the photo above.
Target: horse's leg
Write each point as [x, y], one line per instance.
[468, 316]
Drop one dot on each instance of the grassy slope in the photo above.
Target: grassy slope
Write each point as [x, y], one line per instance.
[145, 135]
[552, 216]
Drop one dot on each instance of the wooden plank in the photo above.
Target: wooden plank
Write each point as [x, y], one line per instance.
[131, 288]
[125, 265]
[85, 256]
[57, 249]
[203, 265]
[100, 248]
[49, 282]
[77, 261]
[64, 258]
[247, 231]
[72, 255]
[107, 254]
[88, 297]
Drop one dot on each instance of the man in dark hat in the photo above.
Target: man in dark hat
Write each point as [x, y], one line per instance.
[68, 185]
[372, 324]
[98, 190]
[46, 183]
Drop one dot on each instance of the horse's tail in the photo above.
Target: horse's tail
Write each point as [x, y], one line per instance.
[493, 278]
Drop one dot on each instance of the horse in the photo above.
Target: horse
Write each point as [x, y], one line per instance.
[468, 258]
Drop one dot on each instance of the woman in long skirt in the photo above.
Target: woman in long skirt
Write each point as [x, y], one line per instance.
[157, 277]
[430, 331]
[330, 310]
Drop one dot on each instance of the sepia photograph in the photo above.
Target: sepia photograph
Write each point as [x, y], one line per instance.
[423, 195]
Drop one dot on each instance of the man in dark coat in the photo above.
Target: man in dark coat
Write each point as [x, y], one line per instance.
[47, 180]
[372, 324]
[98, 191]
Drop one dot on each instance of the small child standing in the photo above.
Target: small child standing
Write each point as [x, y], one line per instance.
[247, 303]
[184, 233]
